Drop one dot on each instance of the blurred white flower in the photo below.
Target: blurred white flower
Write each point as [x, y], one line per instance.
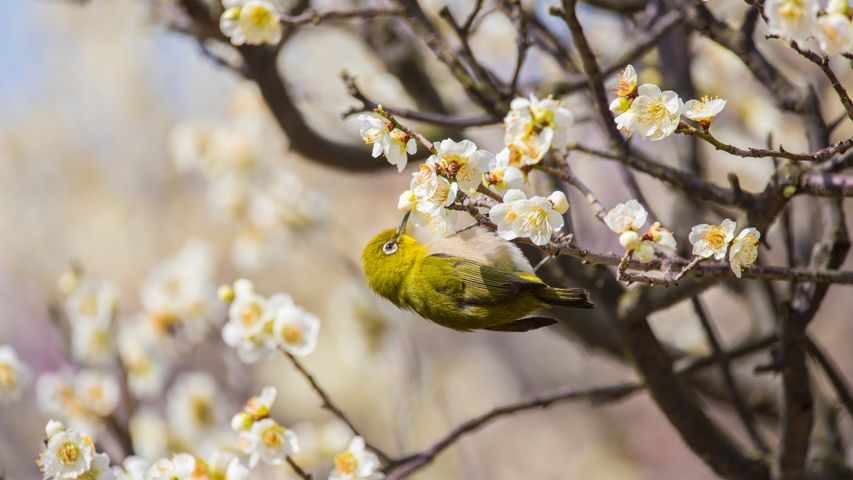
[792, 19]
[283, 202]
[100, 469]
[143, 358]
[653, 113]
[91, 302]
[14, 375]
[744, 250]
[704, 110]
[229, 195]
[269, 442]
[296, 329]
[518, 216]
[194, 406]
[179, 294]
[712, 240]
[92, 343]
[132, 468]
[67, 455]
[839, 7]
[250, 324]
[97, 392]
[225, 466]
[502, 175]
[180, 467]
[462, 161]
[55, 395]
[630, 215]
[534, 126]
[252, 22]
[149, 433]
[356, 463]
[386, 139]
[835, 34]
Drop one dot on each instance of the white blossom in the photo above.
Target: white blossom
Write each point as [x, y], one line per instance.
[387, 140]
[92, 343]
[91, 302]
[626, 85]
[744, 250]
[653, 114]
[225, 466]
[193, 406]
[502, 175]
[143, 358]
[792, 19]
[256, 408]
[644, 252]
[97, 392]
[712, 240]
[630, 215]
[180, 467]
[149, 433]
[356, 463]
[704, 110]
[67, 455]
[534, 126]
[296, 329]
[463, 162]
[15, 376]
[252, 22]
[518, 216]
[250, 324]
[269, 442]
[835, 34]
[132, 468]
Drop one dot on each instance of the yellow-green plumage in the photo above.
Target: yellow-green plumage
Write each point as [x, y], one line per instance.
[473, 280]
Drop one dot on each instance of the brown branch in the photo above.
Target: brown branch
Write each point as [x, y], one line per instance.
[329, 405]
[427, 117]
[836, 378]
[823, 63]
[819, 156]
[746, 416]
[409, 464]
[297, 469]
[314, 18]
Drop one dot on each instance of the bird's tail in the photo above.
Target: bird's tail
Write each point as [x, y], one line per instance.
[567, 297]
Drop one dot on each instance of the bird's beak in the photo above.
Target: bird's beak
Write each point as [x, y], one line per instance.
[402, 227]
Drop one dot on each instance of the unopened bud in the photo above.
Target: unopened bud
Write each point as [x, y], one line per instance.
[226, 293]
[629, 240]
[560, 202]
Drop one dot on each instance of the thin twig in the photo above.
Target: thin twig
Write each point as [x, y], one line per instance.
[312, 17]
[329, 405]
[746, 416]
[296, 468]
[836, 378]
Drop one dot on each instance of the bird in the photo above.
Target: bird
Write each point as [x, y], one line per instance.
[470, 280]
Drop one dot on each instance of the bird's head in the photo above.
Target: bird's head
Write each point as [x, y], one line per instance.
[387, 260]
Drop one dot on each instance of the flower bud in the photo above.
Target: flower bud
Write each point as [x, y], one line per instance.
[560, 202]
[243, 287]
[52, 428]
[407, 201]
[620, 105]
[225, 293]
[241, 421]
[68, 282]
[629, 240]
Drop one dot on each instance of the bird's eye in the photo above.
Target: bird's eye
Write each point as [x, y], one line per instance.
[389, 248]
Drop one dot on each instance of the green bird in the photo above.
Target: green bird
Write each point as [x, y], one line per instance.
[470, 280]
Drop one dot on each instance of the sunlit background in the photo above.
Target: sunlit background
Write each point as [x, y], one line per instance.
[100, 104]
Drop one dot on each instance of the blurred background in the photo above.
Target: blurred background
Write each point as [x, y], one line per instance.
[103, 114]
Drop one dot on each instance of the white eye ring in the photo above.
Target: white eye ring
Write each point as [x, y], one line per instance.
[389, 248]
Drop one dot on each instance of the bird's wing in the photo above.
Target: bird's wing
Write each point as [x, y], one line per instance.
[473, 283]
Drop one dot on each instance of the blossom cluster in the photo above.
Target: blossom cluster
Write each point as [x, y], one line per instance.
[627, 219]
[458, 169]
[245, 182]
[260, 436]
[83, 398]
[70, 455]
[655, 114]
[258, 325]
[800, 20]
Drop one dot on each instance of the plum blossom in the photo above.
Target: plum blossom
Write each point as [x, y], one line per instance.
[653, 114]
